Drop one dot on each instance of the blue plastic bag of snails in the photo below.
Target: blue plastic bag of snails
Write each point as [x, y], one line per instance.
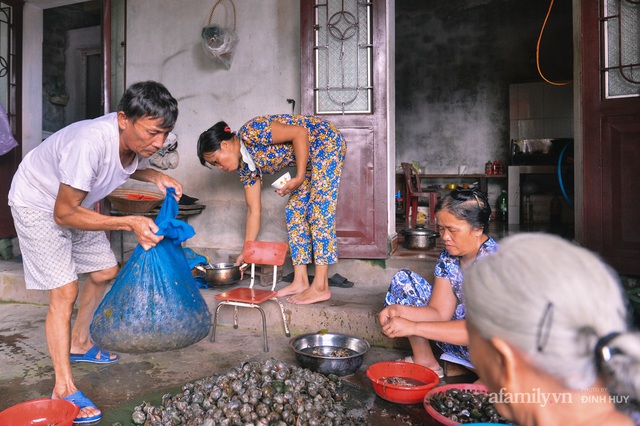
[154, 304]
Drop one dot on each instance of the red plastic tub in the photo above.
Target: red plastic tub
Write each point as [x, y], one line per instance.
[40, 412]
[381, 372]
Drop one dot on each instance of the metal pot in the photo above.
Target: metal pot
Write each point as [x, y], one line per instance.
[222, 274]
[324, 344]
[419, 238]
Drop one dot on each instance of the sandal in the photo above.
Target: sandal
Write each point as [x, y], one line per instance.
[91, 356]
[338, 280]
[79, 399]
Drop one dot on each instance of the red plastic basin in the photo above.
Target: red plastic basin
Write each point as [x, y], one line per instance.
[39, 412]
[380, 372]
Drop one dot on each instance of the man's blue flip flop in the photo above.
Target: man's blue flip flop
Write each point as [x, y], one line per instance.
[82, 401]
[91, 356]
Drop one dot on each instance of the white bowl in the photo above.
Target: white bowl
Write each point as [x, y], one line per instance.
[282, 181]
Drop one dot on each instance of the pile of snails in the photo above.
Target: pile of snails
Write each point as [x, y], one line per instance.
[254, 393]
[466, 406]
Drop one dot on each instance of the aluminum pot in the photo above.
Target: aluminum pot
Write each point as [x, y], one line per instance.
[324, 344]
[419, 238]
[222, 274]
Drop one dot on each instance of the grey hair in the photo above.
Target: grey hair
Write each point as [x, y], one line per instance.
[554, 300]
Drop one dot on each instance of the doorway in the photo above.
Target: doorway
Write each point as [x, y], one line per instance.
[71, 64]
[83, 74]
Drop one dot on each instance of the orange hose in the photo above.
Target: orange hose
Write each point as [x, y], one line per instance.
[544, 24]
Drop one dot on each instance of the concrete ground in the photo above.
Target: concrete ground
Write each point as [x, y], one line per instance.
[26, 371]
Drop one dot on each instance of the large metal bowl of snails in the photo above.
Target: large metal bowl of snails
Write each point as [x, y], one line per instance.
[330, 353]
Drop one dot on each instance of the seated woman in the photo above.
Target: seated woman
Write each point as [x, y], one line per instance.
[548, 320]
[422, 312]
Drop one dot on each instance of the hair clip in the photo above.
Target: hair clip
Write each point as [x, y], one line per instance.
[544, 327]
[227, 129]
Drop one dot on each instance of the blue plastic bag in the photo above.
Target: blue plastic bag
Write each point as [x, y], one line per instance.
[154, 304]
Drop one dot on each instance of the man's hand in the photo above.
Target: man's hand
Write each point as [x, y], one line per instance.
[145, 230]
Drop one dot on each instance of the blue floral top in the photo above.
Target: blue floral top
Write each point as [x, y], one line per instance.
[448, 267]
[270, 158]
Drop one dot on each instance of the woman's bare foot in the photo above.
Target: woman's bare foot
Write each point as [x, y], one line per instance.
[435, 367]
[309, 296]
[293, 288]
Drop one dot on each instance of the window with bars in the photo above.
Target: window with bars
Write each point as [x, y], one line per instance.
[621, 48]
[7, 63]
[343, 57]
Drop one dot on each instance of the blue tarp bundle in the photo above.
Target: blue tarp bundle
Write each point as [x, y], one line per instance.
[154, 304]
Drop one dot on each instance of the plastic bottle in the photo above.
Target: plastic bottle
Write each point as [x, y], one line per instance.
[399, 200]
[495, 168]
[488, 168]
[527, 211]
[503, 206]
[500, 168]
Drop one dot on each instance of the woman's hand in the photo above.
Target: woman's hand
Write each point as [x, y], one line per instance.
[293, 184]
[389, 312]
[399, 327]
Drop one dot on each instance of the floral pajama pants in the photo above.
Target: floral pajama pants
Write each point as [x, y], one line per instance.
[311, 210]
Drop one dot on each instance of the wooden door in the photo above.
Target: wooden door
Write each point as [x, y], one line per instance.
[611, 137]
[10, 81]
[362, 205]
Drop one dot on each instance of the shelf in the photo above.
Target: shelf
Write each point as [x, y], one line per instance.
[481, 178]
[465, 176]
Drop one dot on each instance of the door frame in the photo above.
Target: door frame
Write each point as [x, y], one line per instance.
[364, 219]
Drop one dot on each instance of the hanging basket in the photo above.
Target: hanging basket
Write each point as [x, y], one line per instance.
[220, 42]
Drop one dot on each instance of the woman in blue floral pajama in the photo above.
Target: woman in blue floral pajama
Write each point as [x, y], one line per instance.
[424, 312]
[265, 145]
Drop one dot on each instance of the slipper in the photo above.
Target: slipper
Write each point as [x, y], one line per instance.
[439, 371]
[338, 280]
[90, 356]
[79, 399]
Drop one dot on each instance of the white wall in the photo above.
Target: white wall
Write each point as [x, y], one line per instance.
[164, 44]
[32, 79]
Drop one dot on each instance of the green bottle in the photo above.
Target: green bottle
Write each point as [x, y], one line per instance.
[503, 206]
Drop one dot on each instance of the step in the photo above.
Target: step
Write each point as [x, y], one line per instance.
[351, 311]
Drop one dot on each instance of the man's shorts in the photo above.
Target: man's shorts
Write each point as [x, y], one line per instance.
[54, 256]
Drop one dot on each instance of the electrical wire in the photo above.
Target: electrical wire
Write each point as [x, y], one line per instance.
[544, 24]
